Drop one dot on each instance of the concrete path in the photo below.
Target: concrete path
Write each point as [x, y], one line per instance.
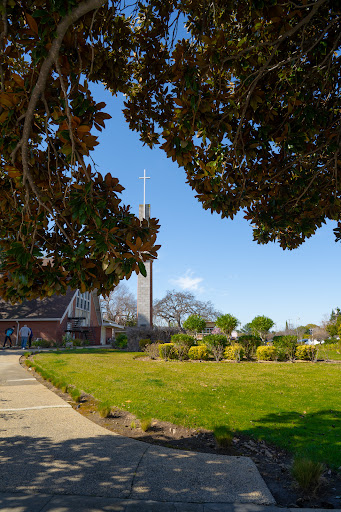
[47, 447]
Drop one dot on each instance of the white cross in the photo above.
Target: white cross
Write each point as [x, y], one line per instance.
[144, 177]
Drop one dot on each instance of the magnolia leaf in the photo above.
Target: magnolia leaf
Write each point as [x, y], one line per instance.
[32, 23]
[142, 269]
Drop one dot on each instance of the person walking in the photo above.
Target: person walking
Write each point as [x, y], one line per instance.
[30, 336]
[8, 334]
[24, 333]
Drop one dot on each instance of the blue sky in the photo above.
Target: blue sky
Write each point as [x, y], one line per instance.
[217, 259]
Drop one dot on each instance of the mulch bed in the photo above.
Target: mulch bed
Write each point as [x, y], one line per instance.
[273, 463]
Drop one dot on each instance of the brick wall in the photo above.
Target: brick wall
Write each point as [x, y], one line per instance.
[51, 330]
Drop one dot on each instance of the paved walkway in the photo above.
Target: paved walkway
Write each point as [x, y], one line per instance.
[54, 460]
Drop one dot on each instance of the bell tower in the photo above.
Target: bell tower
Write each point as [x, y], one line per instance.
[145, 284]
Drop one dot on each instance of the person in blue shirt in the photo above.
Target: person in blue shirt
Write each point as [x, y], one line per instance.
[8, 334]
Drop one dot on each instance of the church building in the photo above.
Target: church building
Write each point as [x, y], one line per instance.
[77, 315]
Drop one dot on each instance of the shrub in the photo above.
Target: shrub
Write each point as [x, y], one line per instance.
[215, 344]
[289, 343]
[77, 342]
[145, 424]
[104, 409]
[249, 344]
[307, 473]
[234, 352]
[223, 436]
[281, 354]
[306, 352]
[43, 343]
[266, 353]
[182, 339]
[214, 339]
[155, 334]
[121, 340]
[167, 351]
[152, 350]
[330, 341]
[144, 343]
[199, 352]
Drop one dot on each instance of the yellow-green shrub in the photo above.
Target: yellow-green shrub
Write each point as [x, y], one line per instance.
[306, 352]
[168, 351]
[266, 353]
[198, 352]
[234, 352]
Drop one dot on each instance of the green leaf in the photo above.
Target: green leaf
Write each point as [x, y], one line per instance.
[142, 269]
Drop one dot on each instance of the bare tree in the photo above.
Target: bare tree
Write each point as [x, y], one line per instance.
[175, 307]
[120, 305]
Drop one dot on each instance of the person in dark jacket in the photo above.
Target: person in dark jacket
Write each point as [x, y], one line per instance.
[8, 334]
[30, 336]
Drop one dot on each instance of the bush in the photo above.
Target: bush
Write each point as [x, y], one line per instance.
[330, 341]
[249, 344]
[155, 334]
[234, 352]
[144, 343]
[281, 354]
[199, 352]
[289, 343]
[77, 342]
[306, 352]
[168, 351]
[211, 340]
[121, 341]
[182, 340]
[266, 353]
[215, 344]
[152, 350]
[43, 343]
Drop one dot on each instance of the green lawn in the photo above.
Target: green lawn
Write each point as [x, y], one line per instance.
[296, 406]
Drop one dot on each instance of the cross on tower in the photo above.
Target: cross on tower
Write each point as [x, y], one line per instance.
[144, 178]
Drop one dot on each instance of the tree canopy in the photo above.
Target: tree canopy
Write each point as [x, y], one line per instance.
[261, 325]
[227, 323]
[194, 324]
[247, 101]
[176, 306]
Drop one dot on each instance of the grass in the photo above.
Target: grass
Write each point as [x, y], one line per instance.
[223, 436]
[307, 474]
[295, 406]
[104, 409]
[145, 424]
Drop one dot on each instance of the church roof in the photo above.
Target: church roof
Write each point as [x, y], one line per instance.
[52, 307]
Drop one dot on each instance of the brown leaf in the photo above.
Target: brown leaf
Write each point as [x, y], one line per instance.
[32, 23]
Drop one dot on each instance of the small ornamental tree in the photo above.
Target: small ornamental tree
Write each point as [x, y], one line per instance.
[260, 326]
[227, 323]
[216, 344]
[194, 324]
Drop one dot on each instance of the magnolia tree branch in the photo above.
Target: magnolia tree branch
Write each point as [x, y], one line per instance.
[82, 9]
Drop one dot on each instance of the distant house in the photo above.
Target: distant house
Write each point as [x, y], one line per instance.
[77, 315]
[210, 325]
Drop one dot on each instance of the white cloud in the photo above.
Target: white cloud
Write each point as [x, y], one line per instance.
[188, 282]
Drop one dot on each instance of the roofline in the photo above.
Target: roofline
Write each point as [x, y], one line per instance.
[67, 307]
[28, 319]
[112, 324]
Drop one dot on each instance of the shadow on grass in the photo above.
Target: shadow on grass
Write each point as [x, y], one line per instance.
[315, 435]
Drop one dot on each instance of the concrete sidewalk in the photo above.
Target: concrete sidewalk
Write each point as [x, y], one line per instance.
[50, 448]
[55, 460]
